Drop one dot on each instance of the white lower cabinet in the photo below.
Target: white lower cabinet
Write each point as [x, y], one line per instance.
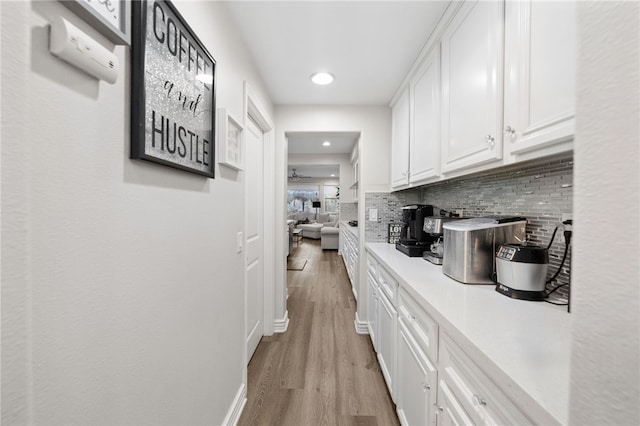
[416, 382]
[387, 346]
[349, 251]
[432, 380]
[474, 392]
[372, 309]
[450, 411]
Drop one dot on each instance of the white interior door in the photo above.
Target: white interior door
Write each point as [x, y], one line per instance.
[254, 142]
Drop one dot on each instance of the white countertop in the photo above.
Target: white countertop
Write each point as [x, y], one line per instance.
[512, 340]
[353, 229]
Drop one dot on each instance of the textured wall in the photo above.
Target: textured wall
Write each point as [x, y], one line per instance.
[605, 370]
[541, 192]
[122, 292]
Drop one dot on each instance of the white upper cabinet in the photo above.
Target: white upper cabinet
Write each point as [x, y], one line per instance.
[496, 85]
[400, 141]
[472, 78]
[424, 147]
[540, 54]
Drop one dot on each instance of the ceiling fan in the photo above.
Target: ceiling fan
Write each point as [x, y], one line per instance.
[296, 176]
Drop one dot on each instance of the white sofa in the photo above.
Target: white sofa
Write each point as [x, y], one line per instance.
[329, 237]
[312, 228]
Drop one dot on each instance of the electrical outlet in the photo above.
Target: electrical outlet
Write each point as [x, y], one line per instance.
[565, 217]
[459, 212]
[373, 215]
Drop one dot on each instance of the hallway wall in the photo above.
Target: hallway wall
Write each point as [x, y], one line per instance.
[605, 295]
[122, 292]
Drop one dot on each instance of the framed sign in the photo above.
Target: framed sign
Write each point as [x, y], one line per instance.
[110, 17]
[172, 91]
[394, 233]
[229, 140]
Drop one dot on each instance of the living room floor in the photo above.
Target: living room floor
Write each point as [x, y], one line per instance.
[320, 371]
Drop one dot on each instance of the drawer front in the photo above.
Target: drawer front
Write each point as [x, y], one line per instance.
[387, 284]
[480, 397]
[422, 327]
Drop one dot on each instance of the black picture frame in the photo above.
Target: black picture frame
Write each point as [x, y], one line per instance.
[173, 91]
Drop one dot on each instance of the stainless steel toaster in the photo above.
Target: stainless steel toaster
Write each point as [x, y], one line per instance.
[470, 246]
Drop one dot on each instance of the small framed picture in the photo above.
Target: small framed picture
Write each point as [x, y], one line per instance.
[111, 17]
[230, 149]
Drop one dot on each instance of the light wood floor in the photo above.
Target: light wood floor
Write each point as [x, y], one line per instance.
[320, 372]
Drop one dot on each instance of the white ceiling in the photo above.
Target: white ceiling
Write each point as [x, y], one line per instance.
[311, 142]
[368, 45]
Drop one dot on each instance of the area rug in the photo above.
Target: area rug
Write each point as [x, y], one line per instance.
[296, 265]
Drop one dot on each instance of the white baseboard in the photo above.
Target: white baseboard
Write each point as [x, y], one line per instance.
[233, 415]
[281, 325]
[361, 326]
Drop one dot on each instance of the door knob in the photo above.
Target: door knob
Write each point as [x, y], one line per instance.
[491, 141]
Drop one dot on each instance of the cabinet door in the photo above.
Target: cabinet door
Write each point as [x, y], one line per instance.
[540, 52]
[387, 320]
[450, 411]
[372, 310]
[416, 382]
[472, 80]
[400, 141]
[424, 149]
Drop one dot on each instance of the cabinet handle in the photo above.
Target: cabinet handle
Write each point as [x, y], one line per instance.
[440, 408]
[510, 131]
[479, 400]
[413, 317]
[491, 141]
[425, 387]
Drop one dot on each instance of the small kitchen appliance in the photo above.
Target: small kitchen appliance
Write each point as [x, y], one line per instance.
[522, 271]
[433, 227]
[470, 246]
[413, 240]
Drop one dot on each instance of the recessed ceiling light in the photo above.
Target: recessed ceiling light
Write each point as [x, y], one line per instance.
[322, 78]
[332, 175]
[326, 143]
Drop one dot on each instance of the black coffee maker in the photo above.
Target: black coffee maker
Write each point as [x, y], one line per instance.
[413, 240]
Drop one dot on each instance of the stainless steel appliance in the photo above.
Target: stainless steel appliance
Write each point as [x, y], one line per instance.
[522, 271]
[470, 246]
[413, 240]
[433, 226]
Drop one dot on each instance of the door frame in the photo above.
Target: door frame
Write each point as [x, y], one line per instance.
[253, 109]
